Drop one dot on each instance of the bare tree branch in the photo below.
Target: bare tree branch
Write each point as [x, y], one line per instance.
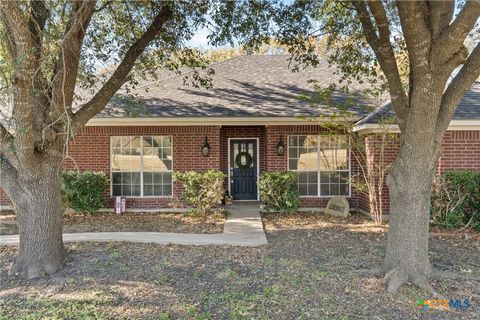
[441, 14]
[22, 84]
[38, 17]
[63, 84]
[118, 78]
[449, 47]
[414, 27]
[459, 86]
[383, 50]
[19, 36]
[462, 25]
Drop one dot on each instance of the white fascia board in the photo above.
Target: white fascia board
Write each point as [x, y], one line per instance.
[455, 125]
[375, 128]
[202, 121]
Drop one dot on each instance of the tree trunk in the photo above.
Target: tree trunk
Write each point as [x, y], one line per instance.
[38, 206]
[410, 187]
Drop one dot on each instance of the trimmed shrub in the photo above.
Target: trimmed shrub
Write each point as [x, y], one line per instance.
[278, 191]
[83, 191]
[456, 200]
[203, 190]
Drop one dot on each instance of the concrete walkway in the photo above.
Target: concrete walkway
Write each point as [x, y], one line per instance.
[242, 228]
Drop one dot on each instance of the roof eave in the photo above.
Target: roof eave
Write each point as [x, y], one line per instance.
[206, 121]
[455, 125]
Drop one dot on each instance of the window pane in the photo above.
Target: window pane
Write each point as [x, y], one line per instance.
[344, 189]
[126, 190]
[126, 154]
[324, 189]
[307, 159]
[335, 178]
[293, 164]
[116, 142]
[167, 153]
[302, 153]
[167, 190]
[157, 154]
[148, 190]
[167, 178]
[126, 178]
[334, 183]
[301, 140]
[116, 178]
[293, 141]
[167, 142]
[303, 189]
[292, 152]
[147, 142]
[157, 189]
[309, 142]
[136, 178]
[151, 160]
[147, 151]
[307, 183]
[136, 190]
[167, 165]
[333, 159]
[117, 190]
[312, 189]
[157, 178]
[147, 178]
[302, 177]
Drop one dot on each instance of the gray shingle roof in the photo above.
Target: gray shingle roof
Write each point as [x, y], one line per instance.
[245, 86]
[468, 108]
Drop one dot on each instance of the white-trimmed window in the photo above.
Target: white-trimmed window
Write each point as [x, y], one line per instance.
[141, 166]
[322, 164]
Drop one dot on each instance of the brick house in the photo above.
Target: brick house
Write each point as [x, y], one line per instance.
[162, 126]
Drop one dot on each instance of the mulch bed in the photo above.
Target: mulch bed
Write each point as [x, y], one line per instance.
[130, 222]
[314, 267]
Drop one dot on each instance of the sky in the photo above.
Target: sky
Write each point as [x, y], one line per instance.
[200, 40]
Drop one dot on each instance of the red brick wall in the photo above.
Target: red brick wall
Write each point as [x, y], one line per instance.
[91, 151]
[460, 151]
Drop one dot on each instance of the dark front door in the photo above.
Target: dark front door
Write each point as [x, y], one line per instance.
[243, 169]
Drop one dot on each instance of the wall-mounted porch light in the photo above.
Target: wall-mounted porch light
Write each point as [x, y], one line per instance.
[205, 148]
[280, 147]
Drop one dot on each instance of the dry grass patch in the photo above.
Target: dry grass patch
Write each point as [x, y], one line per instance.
[131, 222]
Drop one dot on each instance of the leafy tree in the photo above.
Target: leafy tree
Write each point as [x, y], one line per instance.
[418, 49]
[51, 52]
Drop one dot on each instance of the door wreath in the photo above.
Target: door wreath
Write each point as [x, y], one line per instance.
[248, 160]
